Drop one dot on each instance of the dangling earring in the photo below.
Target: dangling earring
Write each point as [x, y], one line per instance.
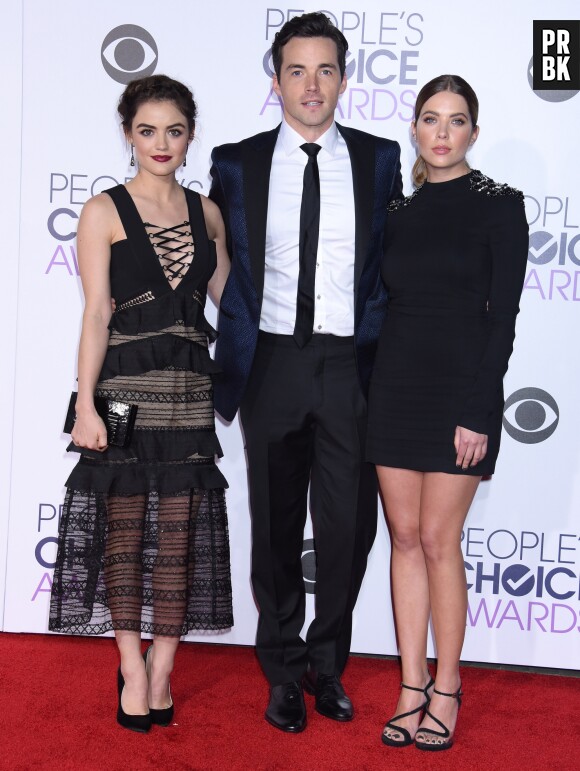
[132, 157]
[185, 160]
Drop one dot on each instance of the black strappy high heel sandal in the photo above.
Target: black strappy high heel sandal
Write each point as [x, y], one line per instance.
[406, 740]
[437, 746]
[162, 717]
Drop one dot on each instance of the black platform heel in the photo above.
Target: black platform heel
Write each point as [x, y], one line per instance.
[437, 746]
[406, 740]
[139, 723]
[162, 717]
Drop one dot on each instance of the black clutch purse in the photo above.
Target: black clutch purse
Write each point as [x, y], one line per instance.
[118, 417]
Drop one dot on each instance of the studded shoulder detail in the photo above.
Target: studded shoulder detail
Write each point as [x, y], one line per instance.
[482, 184]
[399, 203]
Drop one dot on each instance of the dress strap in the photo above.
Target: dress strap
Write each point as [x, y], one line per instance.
[150, 270]
[128, 213]
[204, 248]
[196, 217]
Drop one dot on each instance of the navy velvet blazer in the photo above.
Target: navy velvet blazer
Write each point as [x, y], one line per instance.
[240, 179]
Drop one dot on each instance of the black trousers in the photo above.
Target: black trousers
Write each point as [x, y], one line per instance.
[304, 421]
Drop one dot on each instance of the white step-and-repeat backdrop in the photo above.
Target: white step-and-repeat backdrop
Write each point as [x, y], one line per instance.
[65, 65]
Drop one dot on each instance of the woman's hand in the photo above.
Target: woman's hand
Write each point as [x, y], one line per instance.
[470, 446]
[89, 431]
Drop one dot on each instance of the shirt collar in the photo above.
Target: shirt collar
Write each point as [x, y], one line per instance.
[291, 139]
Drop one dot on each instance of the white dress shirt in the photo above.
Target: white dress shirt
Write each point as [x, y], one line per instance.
[334, 284]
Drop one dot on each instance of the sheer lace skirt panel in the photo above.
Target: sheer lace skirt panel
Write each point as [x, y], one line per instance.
[152, 563]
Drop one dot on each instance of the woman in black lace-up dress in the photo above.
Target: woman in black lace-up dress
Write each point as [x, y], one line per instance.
[454, 267]
[143, 540]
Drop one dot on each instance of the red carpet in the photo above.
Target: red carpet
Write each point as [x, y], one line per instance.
[58, 712]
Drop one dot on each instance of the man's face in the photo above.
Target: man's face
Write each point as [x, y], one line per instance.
[309, 84]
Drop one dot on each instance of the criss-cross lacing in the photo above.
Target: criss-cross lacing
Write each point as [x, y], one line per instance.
[174, 248]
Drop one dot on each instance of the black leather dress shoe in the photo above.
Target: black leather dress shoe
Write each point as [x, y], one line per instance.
[286, 709]
[331, 700]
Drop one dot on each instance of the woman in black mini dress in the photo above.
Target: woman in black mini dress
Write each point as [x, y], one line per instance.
[456, 252]
[143, 538]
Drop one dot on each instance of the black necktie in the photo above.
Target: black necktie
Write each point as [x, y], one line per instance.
[308, 247]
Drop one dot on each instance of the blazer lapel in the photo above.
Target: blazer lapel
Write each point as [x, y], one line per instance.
[257, 163]
[362, 160]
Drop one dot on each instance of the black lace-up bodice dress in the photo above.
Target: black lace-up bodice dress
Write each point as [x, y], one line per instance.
[454, 268]
[143, 538]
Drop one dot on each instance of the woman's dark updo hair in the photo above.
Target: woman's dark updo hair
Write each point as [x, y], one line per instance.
[156, 88]
[455, 84]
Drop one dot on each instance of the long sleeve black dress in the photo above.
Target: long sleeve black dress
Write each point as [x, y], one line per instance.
[454, 268]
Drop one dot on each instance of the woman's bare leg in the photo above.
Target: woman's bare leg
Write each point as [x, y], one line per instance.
[402, 490]
[445, 501]
[160, 661]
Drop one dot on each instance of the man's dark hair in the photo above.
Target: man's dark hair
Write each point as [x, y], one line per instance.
[309, 25]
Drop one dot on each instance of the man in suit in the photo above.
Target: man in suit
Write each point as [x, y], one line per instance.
[305, 211]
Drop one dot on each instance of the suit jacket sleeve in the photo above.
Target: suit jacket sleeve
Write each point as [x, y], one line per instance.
[397, 189]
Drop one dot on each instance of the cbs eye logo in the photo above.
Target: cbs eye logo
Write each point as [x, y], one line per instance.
[129, 52]
[530, 415]
[309, 566]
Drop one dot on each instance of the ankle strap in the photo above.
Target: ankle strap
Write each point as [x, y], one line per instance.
[419, 690]
[457, 695]
[412, 688]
